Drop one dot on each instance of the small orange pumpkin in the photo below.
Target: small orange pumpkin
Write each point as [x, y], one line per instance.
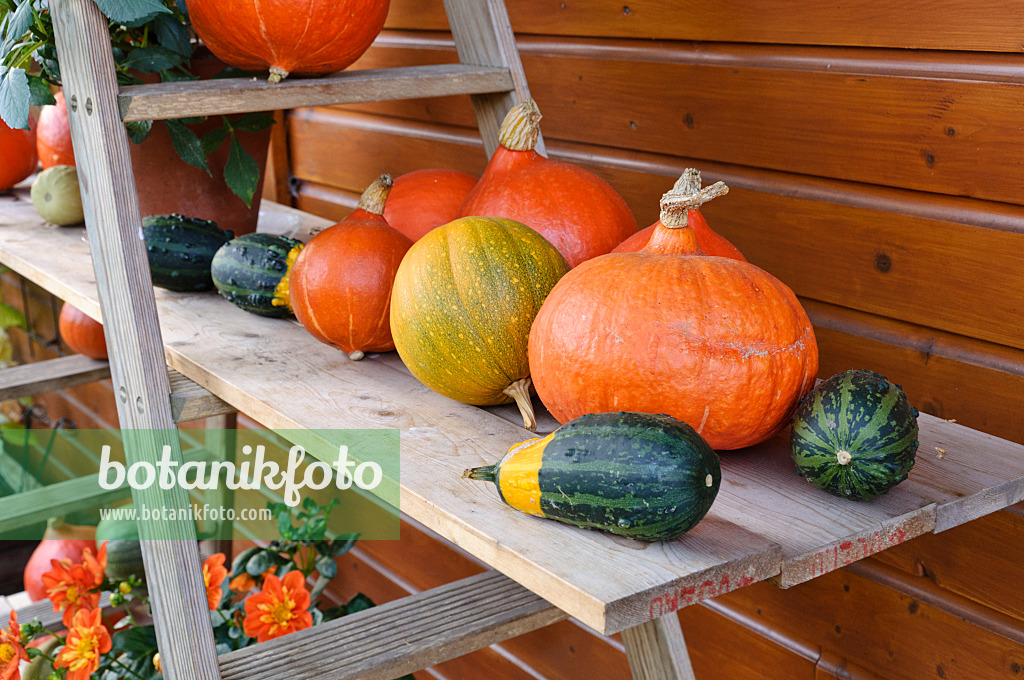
[53, 135]
[710, 242]
[18, 157]
[340, 284]
[81, 332]
[425, 199]
[574, 209]
[717, 343]
[308, 37]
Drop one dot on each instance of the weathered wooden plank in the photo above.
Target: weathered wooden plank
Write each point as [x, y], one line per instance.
[923, 132]
[401, 636]
[189, 401]
[241, 95]
[55, 500]
[980, 26]
[118, 257]
[877, 250]
[51, 374]
[657, 650]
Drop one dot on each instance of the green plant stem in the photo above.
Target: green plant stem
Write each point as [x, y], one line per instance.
[114, 659]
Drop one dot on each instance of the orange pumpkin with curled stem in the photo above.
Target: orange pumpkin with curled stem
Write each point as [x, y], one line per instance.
[717, 343]
[340, 284]
[710, 242]
[307, 37]
[575, 210]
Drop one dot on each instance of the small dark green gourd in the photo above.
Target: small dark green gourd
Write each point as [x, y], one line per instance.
[252, 271]
[180, 250]
[855, 435]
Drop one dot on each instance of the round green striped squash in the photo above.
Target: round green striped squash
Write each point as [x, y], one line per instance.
[124, 549]
[649, 477]
[180, 250]
[252, 271]
[855, 435]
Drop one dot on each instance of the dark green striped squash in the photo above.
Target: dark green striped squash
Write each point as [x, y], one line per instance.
[124, 550]
[180, 250]
[252, 271]
[649, 477]
[855, 435]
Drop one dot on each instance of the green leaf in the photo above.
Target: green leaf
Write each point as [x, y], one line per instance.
[241, 172]
[18, 24]
[39, 92]
[138, 130]
[326, 566]
[255, 122]
[238, 564]
[152, 58]
[14, 97]
[342, 544]
[11, 317]
[358, 603]
[138, 639]
[131, 12]
[187, 144]
[259, 563]
[172, 34]
[213, 139]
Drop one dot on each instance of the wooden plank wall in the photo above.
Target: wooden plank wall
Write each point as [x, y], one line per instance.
[874, 150]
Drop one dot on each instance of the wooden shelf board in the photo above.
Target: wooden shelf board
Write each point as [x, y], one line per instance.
[241, 95]
[767, 522]
[50, 375]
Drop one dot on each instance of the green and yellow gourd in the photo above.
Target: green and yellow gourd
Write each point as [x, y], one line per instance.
[180, 250]
[252, 271]
[462, 304]
[855, 435]
[649, 477]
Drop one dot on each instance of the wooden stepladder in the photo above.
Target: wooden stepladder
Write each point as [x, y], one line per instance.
[491, 73]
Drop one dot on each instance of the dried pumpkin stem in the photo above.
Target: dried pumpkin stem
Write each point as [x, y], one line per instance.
[521, 127]
[376, 195]
[356, 355]
[520, 391]
[277, 74]
[687, 195]
[486, 474]
[843, 457]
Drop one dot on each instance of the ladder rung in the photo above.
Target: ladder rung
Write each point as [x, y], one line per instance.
[56, 500]
[190, 401]
[50, 375]
[400, 637]
[241, 95]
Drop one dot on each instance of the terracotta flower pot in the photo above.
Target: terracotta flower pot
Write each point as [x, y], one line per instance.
[166, 184]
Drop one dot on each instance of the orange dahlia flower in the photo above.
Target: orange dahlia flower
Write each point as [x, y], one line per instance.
[282, 608]
[214, 574]
[11, 650]
[71, 586]
[87, 641]
[243, 583]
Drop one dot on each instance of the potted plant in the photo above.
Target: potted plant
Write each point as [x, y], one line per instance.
[207, 167]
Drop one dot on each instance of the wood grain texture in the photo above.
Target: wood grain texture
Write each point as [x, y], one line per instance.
[924, 25]
[932, 134]
[241, 95]
[401, 636]
[55, 500]
[189, 401]
[118, 258]
[949, 265]
[49, 375]
[657, 650]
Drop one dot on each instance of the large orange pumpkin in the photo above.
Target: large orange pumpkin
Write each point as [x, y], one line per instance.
[60, 541]
[81, 332]
[710, 242]
[577, 211]
[425, 199]
[718, 343]
[17, 154]
[340, 284]
[53, 135]
[307, 37]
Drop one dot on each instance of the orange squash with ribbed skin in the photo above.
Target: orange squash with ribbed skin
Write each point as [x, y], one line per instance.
[81, 332]
[710, 242]
[306, 37]
[53, 135]
[18, 157]
[425, 199]
[577, 211]
[340, 284]
[717, 343]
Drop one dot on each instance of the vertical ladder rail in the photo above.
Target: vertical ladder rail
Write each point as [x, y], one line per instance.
[138, 368]
[483, 37]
